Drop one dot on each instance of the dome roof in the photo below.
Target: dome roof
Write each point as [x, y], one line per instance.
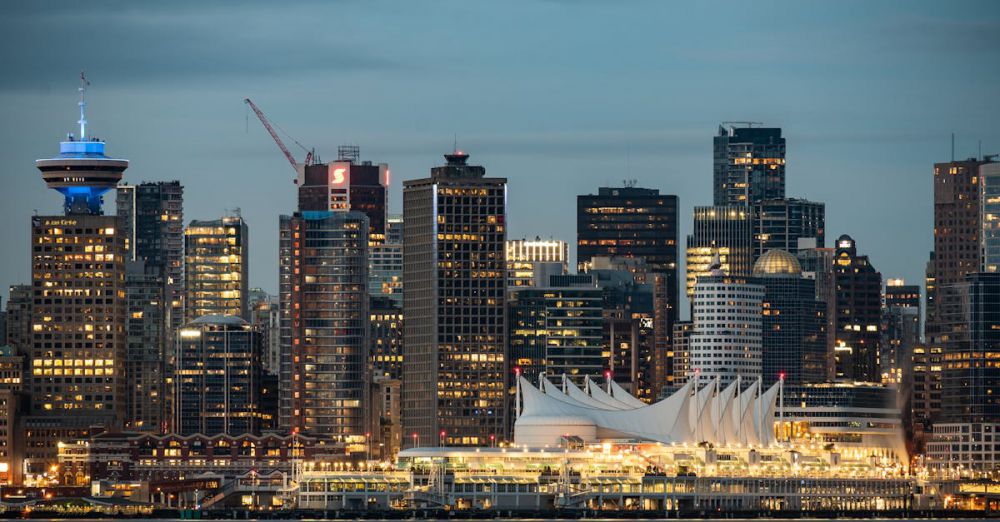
[777, 262]
[230, 320]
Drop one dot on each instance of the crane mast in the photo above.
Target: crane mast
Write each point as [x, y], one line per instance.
[274, 135]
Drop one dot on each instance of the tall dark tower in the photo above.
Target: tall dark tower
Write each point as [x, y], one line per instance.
[77, 345]
[749, 165]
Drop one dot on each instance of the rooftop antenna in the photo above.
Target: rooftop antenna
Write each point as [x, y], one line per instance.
[454, 145]
[83, 106]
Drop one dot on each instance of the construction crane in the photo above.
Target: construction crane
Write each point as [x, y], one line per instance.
[281, 145]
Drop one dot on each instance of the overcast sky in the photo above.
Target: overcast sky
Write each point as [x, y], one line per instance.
[560, 97]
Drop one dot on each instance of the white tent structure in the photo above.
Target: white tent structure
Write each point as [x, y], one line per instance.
[691, 415]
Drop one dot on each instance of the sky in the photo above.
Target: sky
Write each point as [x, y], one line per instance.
[560, 97]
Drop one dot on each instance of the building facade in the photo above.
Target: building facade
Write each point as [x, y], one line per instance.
[859, 314]
[901, 331]
[778, 224]
[216, 268]
[989, 197]
[726, 340]
[794, 322]
[149, 364]
[218, 377]
[726, 232]
[323, 296]
[455, 281]
[18, 318]
[347, 184]
[524, 255]
[386, 355]
[749, 165]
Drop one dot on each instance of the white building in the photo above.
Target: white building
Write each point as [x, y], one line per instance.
[726, 337]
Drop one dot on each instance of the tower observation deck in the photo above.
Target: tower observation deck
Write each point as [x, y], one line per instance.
[81, 172]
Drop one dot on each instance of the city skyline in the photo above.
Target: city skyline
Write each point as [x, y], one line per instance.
[648, 115]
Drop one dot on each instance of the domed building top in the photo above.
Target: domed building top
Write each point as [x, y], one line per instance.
[777, 262]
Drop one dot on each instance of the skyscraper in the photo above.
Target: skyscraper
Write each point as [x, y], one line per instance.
[347, 184]
[218, 377]
[726, 232]
[749, 165]
[216, 268]
[386, 355]
[817, 264]
[18, 318]
[859, 314]
[324, 320]
[958, 235]
[147, 397]
[989, 197]
[794, 322]
[77, 347]
[523, 255]
[726, 338]
[778, 224]
[556, 327]
[455, 286]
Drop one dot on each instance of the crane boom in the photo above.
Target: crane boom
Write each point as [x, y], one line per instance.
[267, 125]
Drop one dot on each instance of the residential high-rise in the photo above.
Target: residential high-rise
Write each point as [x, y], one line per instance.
[19, 318]
[385, 271]
[958, 235]
[859, 314]
[323, 296]
[455, 286]
[523, 255]
[778, 224]
[218, 377]
[989, 197]
[682, 351]
[749, 165]
[148, 399]
[347, 184]
[726, 232]
[925, 392]
[386, 355]
[77, 348]
[900, 328]
[726, 339]
[794, 322]
[216, 268]
[556, 327]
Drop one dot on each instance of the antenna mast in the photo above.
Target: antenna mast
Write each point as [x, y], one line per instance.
[83, 105]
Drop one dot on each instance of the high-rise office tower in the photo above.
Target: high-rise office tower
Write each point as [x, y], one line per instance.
[958, 234]
[147, 398]
[385, 271]
[19, 318]
[218, 377]
[900, 328]
[989, 197]
[153, 218]
[347, 184]
[77, 349]
[455, 286]
[726, 232]
[630, 222]
[749, 165]
[726, 339]
[794, 322]
[386, 355]
[323, 298]
[859, 314]
[216, 268]
[556, 327]
[523, 255]
[682, 351]
[778, 224]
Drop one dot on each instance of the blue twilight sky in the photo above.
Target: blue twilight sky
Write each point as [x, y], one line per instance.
[561, 97]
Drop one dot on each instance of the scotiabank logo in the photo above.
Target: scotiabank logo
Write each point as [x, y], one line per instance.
[339, 175]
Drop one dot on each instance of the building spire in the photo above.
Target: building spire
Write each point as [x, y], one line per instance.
[83, 106]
